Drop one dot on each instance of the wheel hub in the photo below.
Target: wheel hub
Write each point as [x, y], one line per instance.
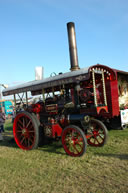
[71, 141]
[95, 133]
[24, 131]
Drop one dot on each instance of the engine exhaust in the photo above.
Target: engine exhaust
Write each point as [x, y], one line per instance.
[72, 47]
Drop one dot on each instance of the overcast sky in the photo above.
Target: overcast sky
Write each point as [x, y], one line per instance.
[34, 33]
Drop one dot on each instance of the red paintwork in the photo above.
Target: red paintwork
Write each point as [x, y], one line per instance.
[112, 97]
[96, 137]
[37, 108]
[110, 70]
[70, 142]
[72, 94]
[56, 130]
[111, 92]
[28, 135]
[102, 110]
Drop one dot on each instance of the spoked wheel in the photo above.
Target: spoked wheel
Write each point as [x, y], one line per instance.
[96, 133]
[25, 130]
[74, 141]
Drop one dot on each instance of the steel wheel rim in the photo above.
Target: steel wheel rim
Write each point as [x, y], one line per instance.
[24, 131]
[96, 135]
[73, 142]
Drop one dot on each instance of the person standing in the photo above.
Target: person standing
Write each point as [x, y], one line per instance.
[2, 121]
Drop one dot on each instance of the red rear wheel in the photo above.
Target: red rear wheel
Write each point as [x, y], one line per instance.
[96, 133]
[74, 141]
[25, 130]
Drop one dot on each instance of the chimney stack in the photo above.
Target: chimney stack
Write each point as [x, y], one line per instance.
[72, 46]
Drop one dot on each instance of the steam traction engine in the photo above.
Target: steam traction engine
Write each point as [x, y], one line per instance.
[75, 106]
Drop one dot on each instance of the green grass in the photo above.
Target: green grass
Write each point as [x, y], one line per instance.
[49, 169]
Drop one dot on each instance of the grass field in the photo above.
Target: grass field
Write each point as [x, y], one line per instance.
[49, 169]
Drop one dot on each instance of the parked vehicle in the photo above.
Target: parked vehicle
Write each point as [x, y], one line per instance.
[76, 106]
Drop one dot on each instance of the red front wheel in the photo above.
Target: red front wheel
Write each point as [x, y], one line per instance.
[25, 130]
[96, 133]
[74, 141]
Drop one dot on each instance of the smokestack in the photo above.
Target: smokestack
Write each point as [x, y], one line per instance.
[72, 46]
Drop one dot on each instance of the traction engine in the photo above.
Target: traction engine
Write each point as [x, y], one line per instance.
[75, 106]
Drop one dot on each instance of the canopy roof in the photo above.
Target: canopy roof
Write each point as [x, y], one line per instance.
[64, 78]
[60, 79]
